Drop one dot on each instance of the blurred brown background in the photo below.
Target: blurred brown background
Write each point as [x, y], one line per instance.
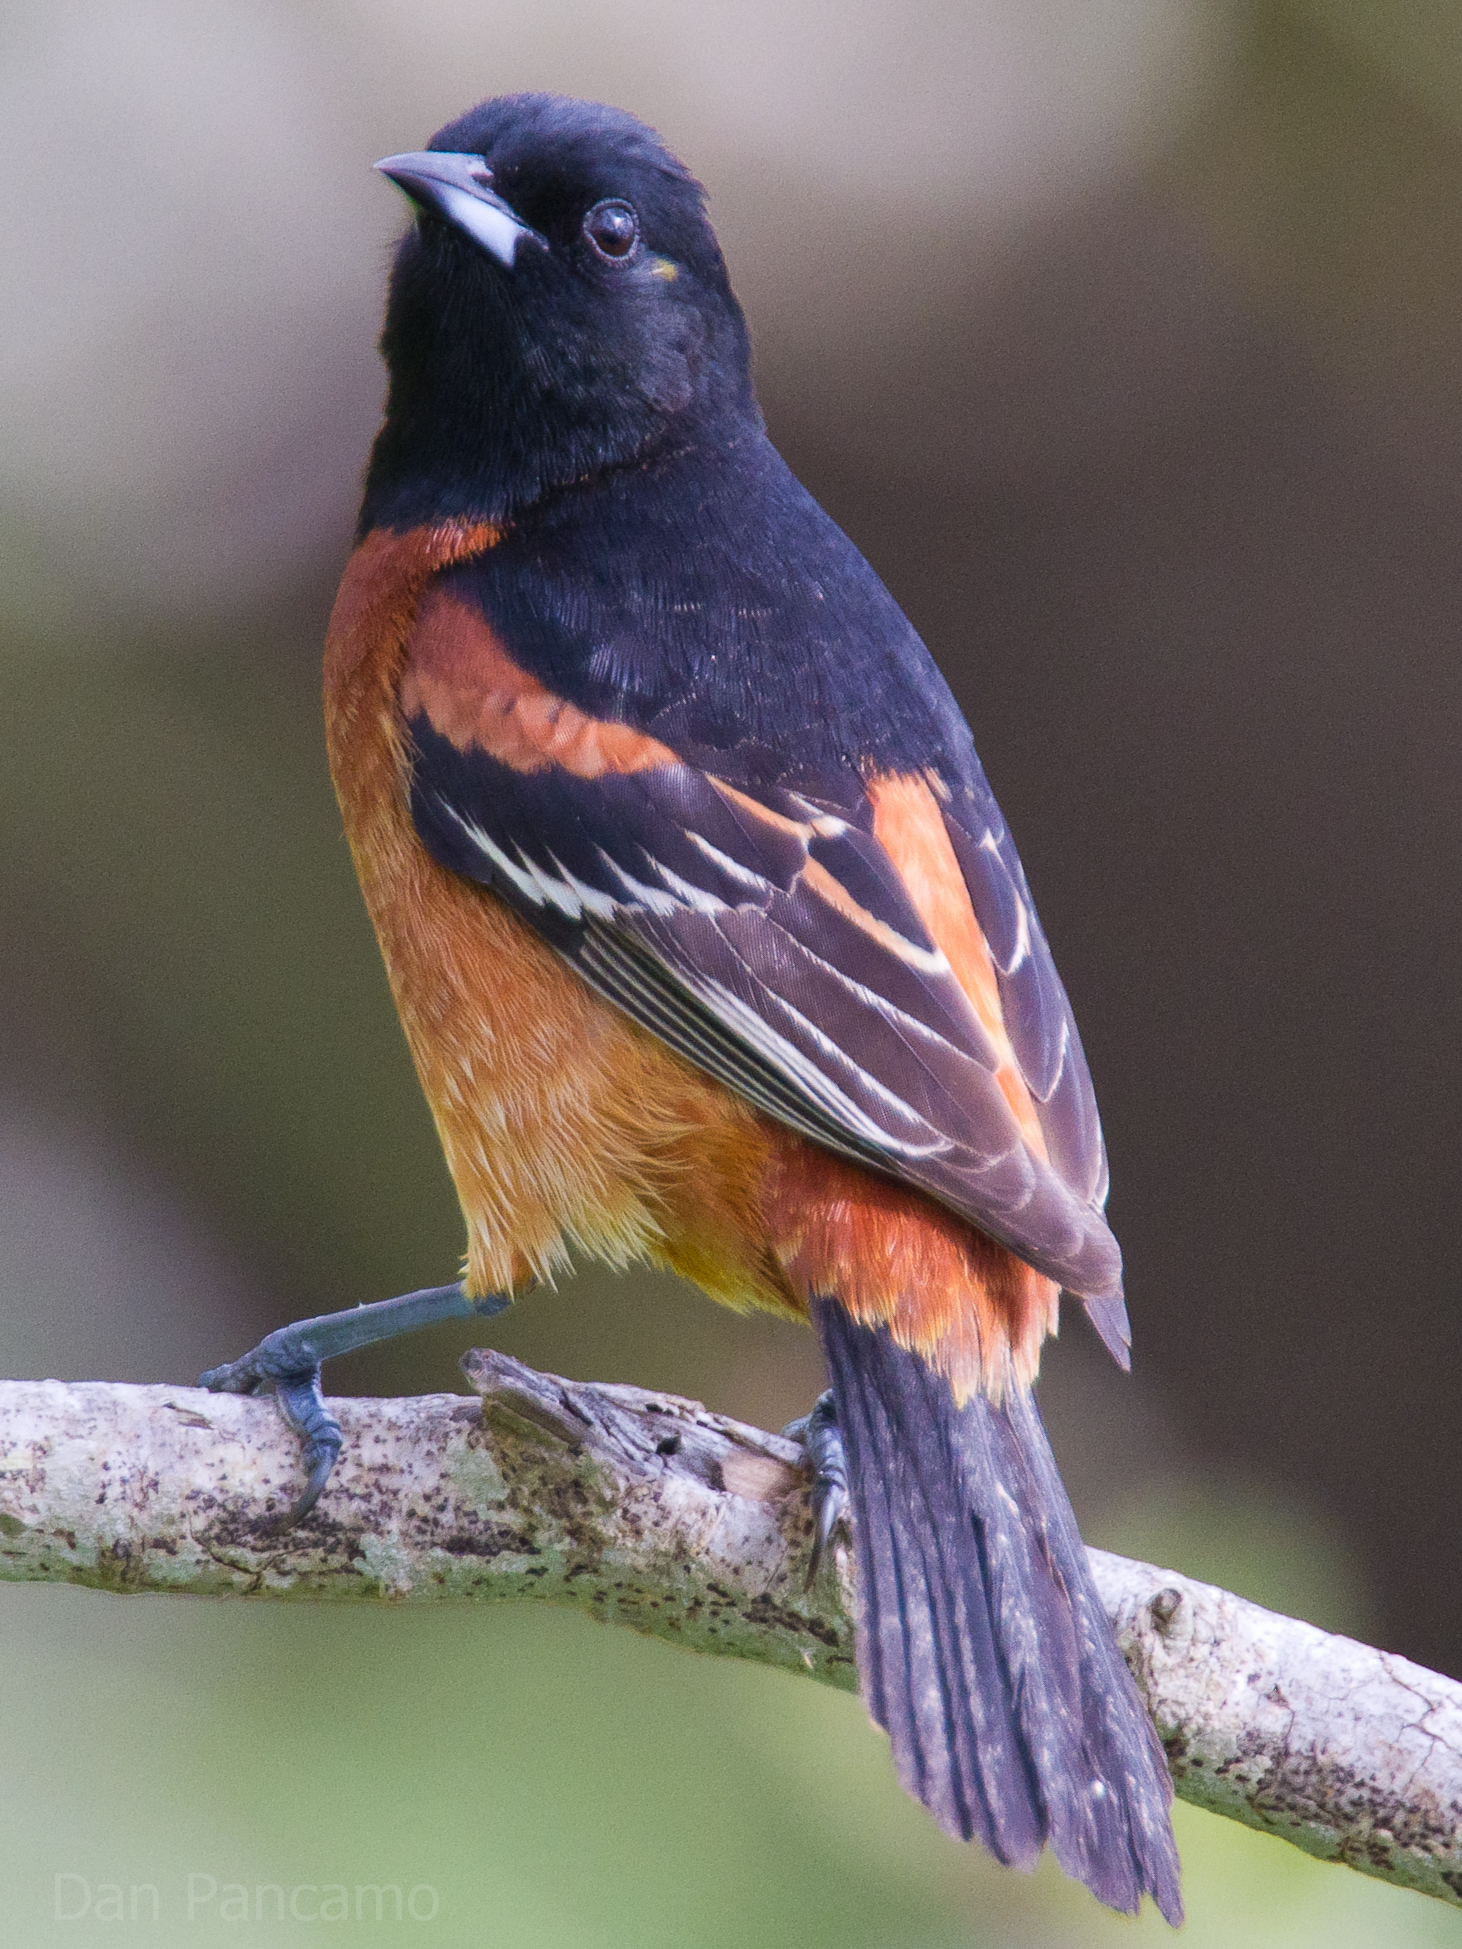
[1124, 339]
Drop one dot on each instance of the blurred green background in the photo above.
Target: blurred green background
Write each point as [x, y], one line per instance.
[1124, 338]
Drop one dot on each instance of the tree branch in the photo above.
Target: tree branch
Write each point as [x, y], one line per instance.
[644, 1509]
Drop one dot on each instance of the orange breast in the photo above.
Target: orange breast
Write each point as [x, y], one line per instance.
[564, 1125]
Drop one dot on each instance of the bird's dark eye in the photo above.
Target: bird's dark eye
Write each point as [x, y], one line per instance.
[613, 229]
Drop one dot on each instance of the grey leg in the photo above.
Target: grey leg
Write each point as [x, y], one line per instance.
[820, 1435]
[288, 1361]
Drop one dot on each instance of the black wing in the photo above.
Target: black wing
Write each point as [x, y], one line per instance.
[766, 935]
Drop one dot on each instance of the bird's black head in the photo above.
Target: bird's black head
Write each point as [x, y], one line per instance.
[559, 307]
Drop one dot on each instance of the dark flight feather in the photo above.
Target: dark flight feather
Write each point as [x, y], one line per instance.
[983, 1647]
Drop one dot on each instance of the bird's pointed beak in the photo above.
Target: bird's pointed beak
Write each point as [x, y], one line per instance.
[458, 189]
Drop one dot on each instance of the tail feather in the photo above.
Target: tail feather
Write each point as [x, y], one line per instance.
[983, 1646]
[929, 1653]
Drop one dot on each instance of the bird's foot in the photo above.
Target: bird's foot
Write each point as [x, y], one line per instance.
[288, 1362]
[822, 1440]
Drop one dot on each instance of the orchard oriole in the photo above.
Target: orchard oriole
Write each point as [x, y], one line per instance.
[711, 945]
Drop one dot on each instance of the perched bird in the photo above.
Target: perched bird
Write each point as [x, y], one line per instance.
[711, 945]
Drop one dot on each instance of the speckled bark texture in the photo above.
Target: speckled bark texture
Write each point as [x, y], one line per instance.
[646, 1510]
[643, 1509]
[1353, 1754]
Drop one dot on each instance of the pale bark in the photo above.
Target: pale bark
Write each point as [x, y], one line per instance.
[644, 1509]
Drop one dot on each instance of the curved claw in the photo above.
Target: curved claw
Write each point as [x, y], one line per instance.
[322, 1463]
[822, 1438]
[303, 1407]
[281, 1364]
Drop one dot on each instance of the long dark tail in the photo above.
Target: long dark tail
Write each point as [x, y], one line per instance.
[983, 1647]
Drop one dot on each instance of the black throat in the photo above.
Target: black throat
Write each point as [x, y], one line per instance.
[500, 396]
